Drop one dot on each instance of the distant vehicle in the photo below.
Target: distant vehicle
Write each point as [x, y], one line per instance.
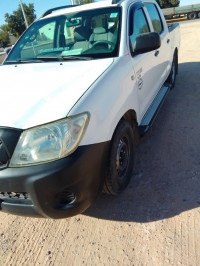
[190, 11]
[78, 88]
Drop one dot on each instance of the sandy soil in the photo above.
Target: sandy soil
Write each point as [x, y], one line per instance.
[156, 221]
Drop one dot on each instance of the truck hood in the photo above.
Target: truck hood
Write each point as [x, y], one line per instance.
[34, 94]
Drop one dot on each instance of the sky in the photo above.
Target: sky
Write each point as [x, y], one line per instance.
[41, 6]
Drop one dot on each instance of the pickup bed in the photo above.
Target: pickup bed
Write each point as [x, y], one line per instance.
[79, 88]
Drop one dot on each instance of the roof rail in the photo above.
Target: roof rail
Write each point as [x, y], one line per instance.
[54, 9]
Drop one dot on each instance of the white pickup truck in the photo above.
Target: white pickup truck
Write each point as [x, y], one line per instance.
[77, 90]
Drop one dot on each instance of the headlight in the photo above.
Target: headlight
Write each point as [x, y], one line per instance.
[49, 142]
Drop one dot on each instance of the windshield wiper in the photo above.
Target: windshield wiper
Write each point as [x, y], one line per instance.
[74, 57]
[28, 61]
[22, 61]
[65, 57]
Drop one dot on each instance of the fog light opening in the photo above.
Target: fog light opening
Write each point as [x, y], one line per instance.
[65, 198]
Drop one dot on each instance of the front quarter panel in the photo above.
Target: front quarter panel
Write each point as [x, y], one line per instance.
[108, 99]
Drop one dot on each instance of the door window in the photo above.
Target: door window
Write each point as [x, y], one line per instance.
[155, 18]
[140, 25]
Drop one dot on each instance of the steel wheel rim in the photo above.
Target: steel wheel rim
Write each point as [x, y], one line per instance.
[122, 157]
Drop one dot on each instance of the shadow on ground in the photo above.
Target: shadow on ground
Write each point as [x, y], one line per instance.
[166, 181]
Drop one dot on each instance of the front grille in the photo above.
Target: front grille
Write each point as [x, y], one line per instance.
[4, 155]
[8, 140]
[14, 195]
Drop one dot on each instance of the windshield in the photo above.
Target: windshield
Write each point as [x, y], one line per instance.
[80, 35]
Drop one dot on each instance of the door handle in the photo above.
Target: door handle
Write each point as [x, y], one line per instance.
[168, 40]
[156, 53]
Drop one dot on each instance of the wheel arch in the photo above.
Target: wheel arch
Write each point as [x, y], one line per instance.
[131, 117]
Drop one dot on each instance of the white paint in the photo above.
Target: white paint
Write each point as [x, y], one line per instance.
[34, 94]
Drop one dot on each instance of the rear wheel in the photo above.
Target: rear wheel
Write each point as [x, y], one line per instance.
[121, 159]
[172, 76]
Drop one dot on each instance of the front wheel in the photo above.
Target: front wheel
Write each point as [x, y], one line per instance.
[121, 159]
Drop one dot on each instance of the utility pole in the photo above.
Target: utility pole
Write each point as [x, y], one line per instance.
[20, 2]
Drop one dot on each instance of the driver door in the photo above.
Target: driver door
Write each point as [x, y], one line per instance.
[144, 65]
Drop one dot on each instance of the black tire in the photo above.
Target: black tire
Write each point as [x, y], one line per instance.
[121, 159]
[172, 75]
[192, 15]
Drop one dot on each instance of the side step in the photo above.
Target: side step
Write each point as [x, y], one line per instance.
[152, 111]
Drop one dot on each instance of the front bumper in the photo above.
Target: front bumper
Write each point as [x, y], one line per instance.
[58, 189]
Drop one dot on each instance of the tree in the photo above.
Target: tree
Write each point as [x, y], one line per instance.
[168, 3]
[15, 21]
[4, 38]
[83, 2]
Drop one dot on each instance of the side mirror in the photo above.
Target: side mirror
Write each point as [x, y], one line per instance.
[146, 42]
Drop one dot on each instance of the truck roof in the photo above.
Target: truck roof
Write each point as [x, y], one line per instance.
[105, 3]
[75, 8]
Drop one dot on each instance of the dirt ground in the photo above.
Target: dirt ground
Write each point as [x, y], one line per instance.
[156, 221]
